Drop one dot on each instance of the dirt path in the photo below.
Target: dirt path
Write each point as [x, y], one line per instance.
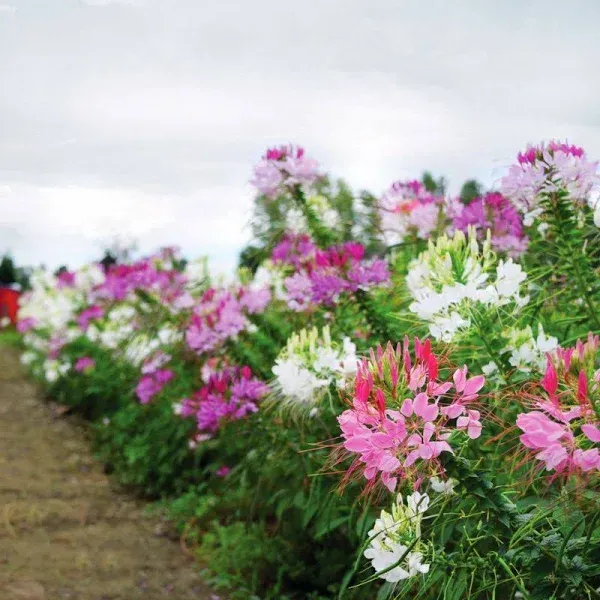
[64, 532]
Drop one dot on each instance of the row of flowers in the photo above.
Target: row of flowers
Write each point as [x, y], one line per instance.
[449, 359]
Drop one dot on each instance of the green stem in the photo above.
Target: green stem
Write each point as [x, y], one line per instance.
[571, 253]
[323, 236]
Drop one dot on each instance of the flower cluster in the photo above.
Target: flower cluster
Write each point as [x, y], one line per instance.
[395, 547]
[456, 273]
[229, 394]
[563, 430]
[406, 209]
[85, 364]
[152, 275]
[295, 250]
[403, 414]
[221, 314]
[327, 274]
[283, 168]
[547, 169]
[528, 352]
[495, 212]
[309, 364]
[154, 377]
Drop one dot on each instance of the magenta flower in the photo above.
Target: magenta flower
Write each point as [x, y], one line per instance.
[66, 279]
[150, 385]
[283, 168]
[91, 313]
[402, 414]
[494, 212]
[221, 315]
[223, 471]
[563, 430]
[324, 275]
[153, 275]
[545, 169]
[25, 325]
[230, 394]
[408, 209]
[85, 364]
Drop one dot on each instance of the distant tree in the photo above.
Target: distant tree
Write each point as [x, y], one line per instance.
[470, 190]
[432, 184]
[10, 274]
[8, 271]
[108, 260]
[251, 257]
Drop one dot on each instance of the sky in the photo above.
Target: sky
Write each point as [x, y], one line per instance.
[141, 119]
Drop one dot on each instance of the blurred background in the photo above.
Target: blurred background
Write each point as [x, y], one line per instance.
[137, 122]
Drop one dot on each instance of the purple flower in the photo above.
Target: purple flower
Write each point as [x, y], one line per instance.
[25, 325]
[284, 167]
[223, 471]
[328, 274]
[150, 385]
[85, 364]
[221, 315]
[89, 314]
[407, 208]
[66, 279]
[495, 212]
[229, 394]
[545, 169]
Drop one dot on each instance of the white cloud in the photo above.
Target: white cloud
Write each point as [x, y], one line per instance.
[108, 2]
[147, 122]
[8, 8]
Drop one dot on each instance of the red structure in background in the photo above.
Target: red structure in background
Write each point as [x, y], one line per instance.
[9, 304]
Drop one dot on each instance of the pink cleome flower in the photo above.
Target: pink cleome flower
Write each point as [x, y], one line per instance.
[547, 168]
[221, 315]
[84, 364]
[495, 212]
[407, 208]
[563, 430]
[320, 277]
[150, 385]
[282, 168]
[229, 394]
[402, 413]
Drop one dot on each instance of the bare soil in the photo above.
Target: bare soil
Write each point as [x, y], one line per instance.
[65, 532]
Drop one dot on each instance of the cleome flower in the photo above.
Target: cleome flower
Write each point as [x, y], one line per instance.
[221, 315]
[283, 168]
[527, 352]
[229, 394]
[309, 364]
[408, 209]
[495, 212]
[548, 168]
[395, 549]
[321, 277]
[403, 415]
[454, 275]
[563, 429]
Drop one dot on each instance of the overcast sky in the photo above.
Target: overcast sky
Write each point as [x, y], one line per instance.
[143, 117]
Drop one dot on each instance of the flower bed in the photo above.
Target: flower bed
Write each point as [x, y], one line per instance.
[400, 399]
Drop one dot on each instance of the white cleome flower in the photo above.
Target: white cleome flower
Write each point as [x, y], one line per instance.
[393, 535]
[456, 275]
[443, 486]
[526, 351]
[309, 364]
